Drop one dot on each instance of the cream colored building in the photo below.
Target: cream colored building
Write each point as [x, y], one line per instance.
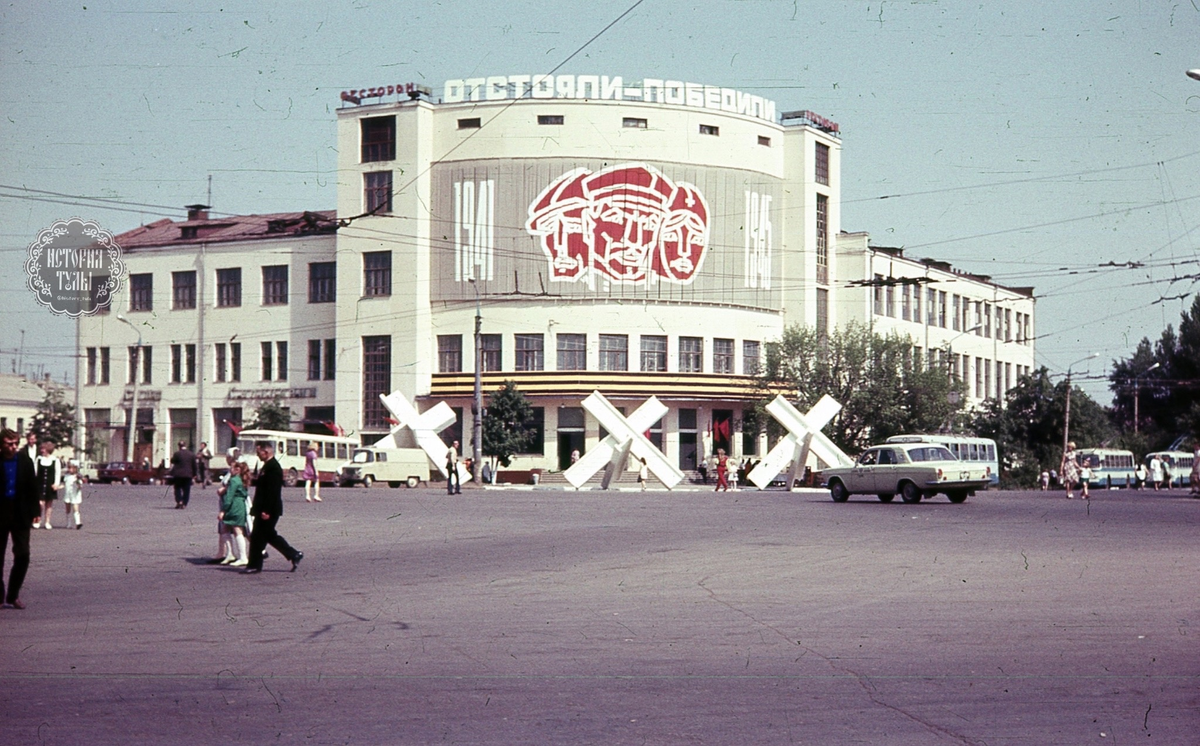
[979, 330]
[643, 238]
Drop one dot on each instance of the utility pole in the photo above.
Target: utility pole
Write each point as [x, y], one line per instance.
[133, 411]
[1067, 415]
[477, 404]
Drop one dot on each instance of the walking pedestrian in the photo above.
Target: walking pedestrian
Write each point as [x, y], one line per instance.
[233, 514]
[18, 507]
[1194, 479]
[312, 480]
[203, 458]
[703, 469]
[453, 480]
[643, 472]
[267, 508]
[73, 493]
[183, 471]
[1069, 471]
[1157, 471]
[722, 471]
[49, 477]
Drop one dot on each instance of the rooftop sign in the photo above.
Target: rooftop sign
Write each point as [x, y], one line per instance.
[608, 88]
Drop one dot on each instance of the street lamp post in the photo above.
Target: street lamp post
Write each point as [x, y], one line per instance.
[133, 411]
[1137, 394]
[1067, 415]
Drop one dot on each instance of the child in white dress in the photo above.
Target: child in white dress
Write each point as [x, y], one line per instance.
[73, 493]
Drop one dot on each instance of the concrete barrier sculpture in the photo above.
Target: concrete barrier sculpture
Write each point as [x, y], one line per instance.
[626, 435]
[804, 436]
[419, 429]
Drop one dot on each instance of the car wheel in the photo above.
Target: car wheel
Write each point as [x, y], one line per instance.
[838, 492]
[957, 497]
[910, 493]
[412, 482]
[368, 480]
[886, 498]
[291, 478]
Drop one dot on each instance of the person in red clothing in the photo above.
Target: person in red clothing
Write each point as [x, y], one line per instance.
[722, 470]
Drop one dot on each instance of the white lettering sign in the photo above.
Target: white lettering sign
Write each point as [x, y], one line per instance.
[758, 240]
[608, 88]
[474, 229]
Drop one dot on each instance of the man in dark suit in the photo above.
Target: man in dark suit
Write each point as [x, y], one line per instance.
[183, 471]
[18, 507]
[266, 509]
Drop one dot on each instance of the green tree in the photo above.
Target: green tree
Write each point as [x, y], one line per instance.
[884, 388]
[508, 424]
[55, 419]
[1028, 426]
[272, 415]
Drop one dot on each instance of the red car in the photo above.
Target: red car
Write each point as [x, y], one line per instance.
[127, 472]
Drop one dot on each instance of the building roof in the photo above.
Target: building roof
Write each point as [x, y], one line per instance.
[201, 229]
[16, 390]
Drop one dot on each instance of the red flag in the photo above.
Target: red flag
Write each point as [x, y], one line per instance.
[237, 429]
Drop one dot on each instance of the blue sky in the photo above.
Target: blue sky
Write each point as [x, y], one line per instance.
[1034, 142]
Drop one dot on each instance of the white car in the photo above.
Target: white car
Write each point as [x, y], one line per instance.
[914, 470]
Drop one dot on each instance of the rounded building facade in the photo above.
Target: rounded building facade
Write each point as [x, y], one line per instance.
[648, 239]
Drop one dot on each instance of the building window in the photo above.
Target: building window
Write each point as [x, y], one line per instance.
[530, 352]
[878, 293]
[471, 123]
[268, 360]
[708, 129]
[889, 298]
[572, 352]
[634, 123]
[955, 319]
[449, 353]
[822, 239]
[764, 140]
[281, 361]
[314, 359]
[377, 273]
[321, 356]
[614, 352]
[141, 292]
[550, 119]
[931, 306]
[145, 363]
[377, 380]
[275, 285]
[229, 287]
[489, 352]
[91, 366]
[322, 282]
[821, 164]
[99, 362]
[378, 139]
[822, 312]
[183, 363]
[654, 353]
[691, 355]
[723, 356]
[183, 290]
[220, 362]
[1008, 335]
[235, 361]
[987, 320]
[377, 192]
[941, 309]
[751, 352]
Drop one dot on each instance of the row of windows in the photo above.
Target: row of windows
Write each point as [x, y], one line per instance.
[612, 349]
[276, 288]
[227, 362]
[1008, 326]
[981, 383]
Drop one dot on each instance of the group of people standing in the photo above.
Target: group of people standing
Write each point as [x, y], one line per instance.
[30, 479]
[245, 526]
[1076, 471]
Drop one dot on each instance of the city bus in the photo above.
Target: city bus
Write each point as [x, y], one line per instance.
[290, 450]
[1178, 464]
[964, 447]
[1110, 467]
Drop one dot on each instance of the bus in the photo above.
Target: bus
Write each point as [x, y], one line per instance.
[290, 449]
[1178, 464]
[964, 447]
[1110, 467]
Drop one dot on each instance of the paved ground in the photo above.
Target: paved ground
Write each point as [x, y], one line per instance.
[538, 617]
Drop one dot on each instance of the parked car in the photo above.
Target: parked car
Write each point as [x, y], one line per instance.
[914, 470]
[127, 472]
[396, 466]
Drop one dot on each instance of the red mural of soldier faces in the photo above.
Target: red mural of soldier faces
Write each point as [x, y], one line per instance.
[626, 223]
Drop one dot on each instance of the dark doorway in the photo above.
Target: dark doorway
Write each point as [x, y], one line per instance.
[567, 443]
[687, 452]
